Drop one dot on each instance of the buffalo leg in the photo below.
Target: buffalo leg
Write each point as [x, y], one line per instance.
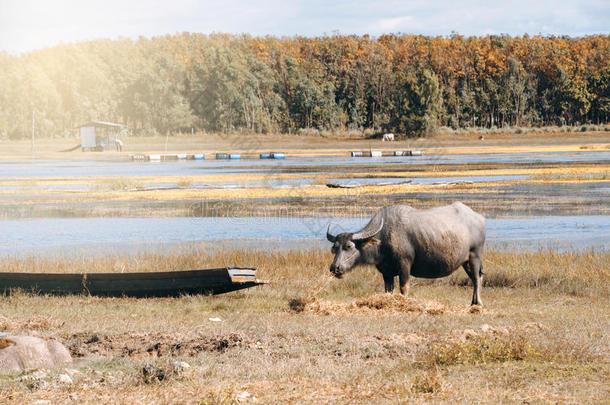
[403, 278]
[474, 269]
[467, 269]
[389, 283]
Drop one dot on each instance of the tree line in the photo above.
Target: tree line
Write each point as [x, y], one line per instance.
[406, 84]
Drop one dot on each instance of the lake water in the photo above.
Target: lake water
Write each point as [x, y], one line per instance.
[99, 235]
[122, 167]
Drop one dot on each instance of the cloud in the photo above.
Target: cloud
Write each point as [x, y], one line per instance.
[394, 24]
[472, 17]
[32, 24]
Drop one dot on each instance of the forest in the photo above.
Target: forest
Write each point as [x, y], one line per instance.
[407, 84]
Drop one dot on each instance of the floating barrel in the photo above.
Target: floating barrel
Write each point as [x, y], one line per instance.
[357, 153]
[222, 156]
[182, 156]
[375, 153]
[278, 155]
[234, 156]
[140, 157]
[154, 157]
[198, 156]
[416, 153]
[401, 153]
[265, 155]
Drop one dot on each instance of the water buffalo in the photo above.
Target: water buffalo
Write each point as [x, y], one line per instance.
[403, 241]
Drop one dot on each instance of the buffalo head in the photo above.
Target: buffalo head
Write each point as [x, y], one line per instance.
[350, 248]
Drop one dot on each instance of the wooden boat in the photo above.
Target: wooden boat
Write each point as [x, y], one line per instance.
[145, 284]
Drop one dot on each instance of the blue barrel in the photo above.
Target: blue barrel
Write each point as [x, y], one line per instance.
[278, 155]
[265, 155]
[199, 156]
[234, 156]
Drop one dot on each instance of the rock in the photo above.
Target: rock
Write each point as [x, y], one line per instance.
[19, 353]
[180, 367]
[245, 396]
[486, 328]
[64, 379]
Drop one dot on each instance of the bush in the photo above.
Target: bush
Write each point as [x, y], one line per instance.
[481, 349]
[308, 131]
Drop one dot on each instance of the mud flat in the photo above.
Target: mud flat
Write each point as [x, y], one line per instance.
[553, 183]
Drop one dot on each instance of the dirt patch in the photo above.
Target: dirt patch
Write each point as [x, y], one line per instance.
[148, 345]
[385, 303]
[34, 323]
[399, 303]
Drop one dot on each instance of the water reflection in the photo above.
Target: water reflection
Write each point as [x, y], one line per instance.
[100, 235]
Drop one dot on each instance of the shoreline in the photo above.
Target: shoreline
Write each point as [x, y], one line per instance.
[294, 145]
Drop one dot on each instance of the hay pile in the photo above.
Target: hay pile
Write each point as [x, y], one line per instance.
[385, 303]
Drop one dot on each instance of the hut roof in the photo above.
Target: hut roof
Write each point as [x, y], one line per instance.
[102, 124]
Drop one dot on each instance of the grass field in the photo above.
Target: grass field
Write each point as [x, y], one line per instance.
[307, 338]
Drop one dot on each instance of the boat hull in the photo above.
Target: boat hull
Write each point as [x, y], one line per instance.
[145, 284]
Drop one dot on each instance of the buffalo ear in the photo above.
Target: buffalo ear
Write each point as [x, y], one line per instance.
[370, 242]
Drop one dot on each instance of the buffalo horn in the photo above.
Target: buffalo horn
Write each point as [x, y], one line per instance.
[364, 234]
[329, 236]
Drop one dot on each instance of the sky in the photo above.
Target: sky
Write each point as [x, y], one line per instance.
[27, 25]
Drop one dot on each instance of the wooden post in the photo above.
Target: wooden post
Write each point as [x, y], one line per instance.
[33, 129]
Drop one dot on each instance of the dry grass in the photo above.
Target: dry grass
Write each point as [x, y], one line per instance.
[549, 270]
[533, 341]
[550, 177]
[576, 273]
